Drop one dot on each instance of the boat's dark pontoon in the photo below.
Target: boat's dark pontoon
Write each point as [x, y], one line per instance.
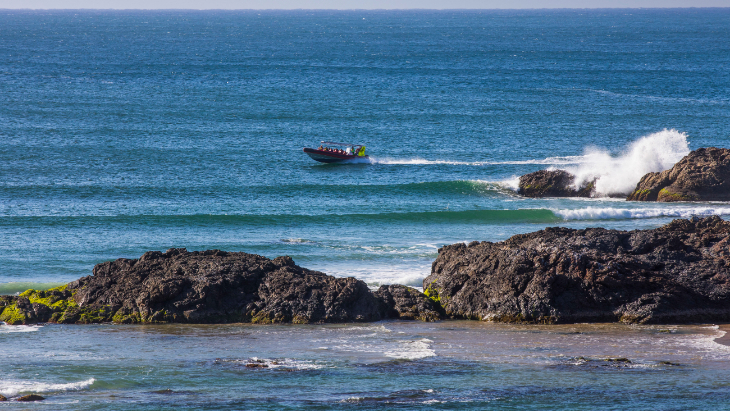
[331, 152]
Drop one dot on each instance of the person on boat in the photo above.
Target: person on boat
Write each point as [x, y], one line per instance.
[361, 152]
[320, 148]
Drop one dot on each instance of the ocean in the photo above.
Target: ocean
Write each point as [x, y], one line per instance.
[129, 131]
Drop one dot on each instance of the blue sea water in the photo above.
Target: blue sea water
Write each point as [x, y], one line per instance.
[129, 131]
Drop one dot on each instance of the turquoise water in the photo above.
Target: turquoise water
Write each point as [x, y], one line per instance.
[129, 131]
[387, 365]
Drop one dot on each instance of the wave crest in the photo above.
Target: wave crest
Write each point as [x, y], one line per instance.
[14, 387]
[609, 213]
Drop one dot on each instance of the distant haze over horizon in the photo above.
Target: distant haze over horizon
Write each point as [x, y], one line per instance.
[354, 5]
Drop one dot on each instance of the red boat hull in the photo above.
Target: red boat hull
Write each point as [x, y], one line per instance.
[329, 156]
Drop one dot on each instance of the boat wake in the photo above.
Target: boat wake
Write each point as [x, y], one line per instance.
[420, 161]
[614, 174]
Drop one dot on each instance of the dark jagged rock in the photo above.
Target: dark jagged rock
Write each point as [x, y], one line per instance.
[212, 287]
[702, 175]
[3, 398]
[409, 304]
[678, 273]
[30, 398]
[552, 183]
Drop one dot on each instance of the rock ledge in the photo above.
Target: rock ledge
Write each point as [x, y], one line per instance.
[214, 287]
[678, 273]
[702, 175]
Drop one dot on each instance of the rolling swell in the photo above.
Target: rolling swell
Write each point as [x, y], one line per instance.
[536, 215]
[153, 191]
[465, 216]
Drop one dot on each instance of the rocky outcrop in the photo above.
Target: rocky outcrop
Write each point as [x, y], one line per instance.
[552, 183]
[213, 287]
[702, 175]
[409, 304]
[677, 273]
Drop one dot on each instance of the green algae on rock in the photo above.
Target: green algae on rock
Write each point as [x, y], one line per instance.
[214, 287]
[56, 305]
[702, 175]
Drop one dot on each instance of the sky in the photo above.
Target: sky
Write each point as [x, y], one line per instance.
[353, 4]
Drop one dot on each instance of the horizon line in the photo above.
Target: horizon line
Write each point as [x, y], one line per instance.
[362, 9]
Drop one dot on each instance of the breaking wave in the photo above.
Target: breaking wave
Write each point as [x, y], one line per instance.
[6, 329]
[613, 174]
[619, 175]
[609, 213]
[14, 387]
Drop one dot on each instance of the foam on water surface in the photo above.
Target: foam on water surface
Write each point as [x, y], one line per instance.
[608, 213]
[276, 363]
[566, 160]
[15, 387]
[7, 329]
[412, 350]
[620, 174]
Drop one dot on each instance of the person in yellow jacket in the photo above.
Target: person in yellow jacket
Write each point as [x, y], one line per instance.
[361, 152]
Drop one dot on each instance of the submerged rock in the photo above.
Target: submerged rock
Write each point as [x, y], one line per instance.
[166, 391]
[702, 175]
[678, 273]
[213, 287]
[552, 183]
[30, 398]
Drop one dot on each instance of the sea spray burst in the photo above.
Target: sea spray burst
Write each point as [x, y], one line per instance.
[619, 175]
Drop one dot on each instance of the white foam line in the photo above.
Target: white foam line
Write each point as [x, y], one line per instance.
[5, 328]
[412, 350]
[658, 98]
[420, 161]
[284, 363]
[9, 388]
[609, 213]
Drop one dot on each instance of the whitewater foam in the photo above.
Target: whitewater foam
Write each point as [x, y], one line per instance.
[412, 350]
[14, 387]
[559, 160]
[611, 213]
[619, 175]
[6, 329]
[285, 363]
[297, 241]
